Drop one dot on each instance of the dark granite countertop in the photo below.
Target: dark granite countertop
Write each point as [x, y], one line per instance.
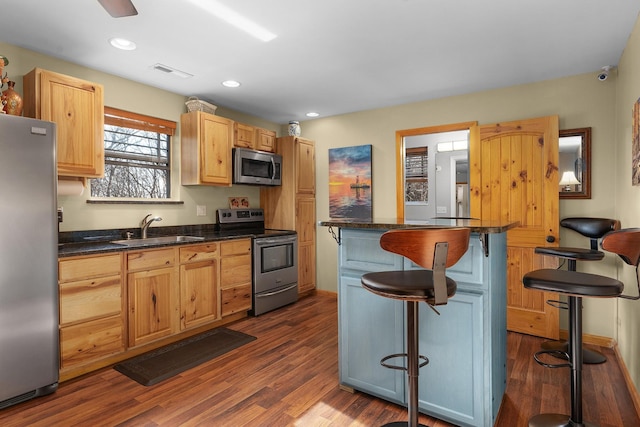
[476, 225]
[93, 242]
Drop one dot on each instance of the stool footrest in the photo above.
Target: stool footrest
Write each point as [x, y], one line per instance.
[555, 353]
[401, 368]
[562, 305]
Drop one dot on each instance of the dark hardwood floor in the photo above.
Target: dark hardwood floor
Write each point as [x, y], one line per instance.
[289, 377]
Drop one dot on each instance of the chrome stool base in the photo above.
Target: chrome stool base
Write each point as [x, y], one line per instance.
[556, 420]
[401, 424]
[589, 357]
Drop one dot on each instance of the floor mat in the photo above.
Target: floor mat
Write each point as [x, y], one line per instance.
[158, 365]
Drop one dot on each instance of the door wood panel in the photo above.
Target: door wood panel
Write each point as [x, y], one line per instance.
[514, 177]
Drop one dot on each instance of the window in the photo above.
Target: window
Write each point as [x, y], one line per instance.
[136, 156]
[416, 176]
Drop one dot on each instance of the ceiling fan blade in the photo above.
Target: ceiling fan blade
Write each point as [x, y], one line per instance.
[119, 8]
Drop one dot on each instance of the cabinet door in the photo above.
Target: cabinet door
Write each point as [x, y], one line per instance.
[371, 327]
[77, 108]
[452, 385]
[153, 305]
[199, 293]
[266, 140]
[215, 154]
[245, 136]
[305, 166]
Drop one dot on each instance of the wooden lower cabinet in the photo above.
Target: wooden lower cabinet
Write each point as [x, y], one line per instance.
[153, 295]
[169, 293]
[199, 292]
[92, 321]
[235, 276]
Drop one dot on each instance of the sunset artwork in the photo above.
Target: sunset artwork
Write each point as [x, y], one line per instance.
[350, 182]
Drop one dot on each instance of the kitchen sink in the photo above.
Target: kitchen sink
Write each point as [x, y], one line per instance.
[158, 240]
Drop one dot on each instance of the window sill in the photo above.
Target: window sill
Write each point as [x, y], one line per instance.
[134, 202]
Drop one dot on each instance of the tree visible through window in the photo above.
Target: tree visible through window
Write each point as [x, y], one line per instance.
[416, 177]
[137, 156]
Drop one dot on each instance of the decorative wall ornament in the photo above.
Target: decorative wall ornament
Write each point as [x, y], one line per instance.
[350, 184]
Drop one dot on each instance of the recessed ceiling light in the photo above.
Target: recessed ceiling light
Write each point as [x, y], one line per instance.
[312, 114]
[230, 83]
[120, 43]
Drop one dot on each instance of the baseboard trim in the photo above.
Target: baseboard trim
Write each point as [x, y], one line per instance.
[627, 379]
[327, 293]
[591, 339]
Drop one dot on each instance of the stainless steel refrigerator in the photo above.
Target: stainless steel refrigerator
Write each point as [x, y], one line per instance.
[28, 259]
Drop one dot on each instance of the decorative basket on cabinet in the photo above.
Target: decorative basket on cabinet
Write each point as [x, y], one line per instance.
[195, 104]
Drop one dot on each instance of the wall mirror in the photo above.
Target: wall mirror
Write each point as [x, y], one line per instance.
[575, 163]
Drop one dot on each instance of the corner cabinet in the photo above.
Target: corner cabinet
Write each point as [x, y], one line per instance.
[206, 141]
[466, 344]
[292, 206]
[77, 108]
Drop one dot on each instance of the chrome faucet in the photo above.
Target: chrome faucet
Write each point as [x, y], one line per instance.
[144, 225]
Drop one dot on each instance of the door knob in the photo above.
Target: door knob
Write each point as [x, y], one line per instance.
[551, 239]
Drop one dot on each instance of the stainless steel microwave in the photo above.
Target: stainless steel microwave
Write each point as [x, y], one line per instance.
[253, 167]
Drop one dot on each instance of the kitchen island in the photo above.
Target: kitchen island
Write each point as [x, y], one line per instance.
[466, 343]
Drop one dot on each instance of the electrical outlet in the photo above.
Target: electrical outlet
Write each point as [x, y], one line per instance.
[441, 209]
[60, 213]
[201, 210]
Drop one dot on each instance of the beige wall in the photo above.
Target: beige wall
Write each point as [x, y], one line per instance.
[627, 198]
[131, 96]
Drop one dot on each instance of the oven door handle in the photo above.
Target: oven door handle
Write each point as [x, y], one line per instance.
[279, 241]
[270, 294]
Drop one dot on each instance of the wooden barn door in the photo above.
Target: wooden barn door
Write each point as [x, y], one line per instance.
[514, 177]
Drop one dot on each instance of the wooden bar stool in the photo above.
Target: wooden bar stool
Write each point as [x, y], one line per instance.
[434, 249]
[594, 229]
[625, 243]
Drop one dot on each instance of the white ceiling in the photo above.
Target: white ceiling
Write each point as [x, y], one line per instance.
[331, 56]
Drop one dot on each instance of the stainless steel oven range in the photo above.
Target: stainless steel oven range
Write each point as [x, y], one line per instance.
[275, 257]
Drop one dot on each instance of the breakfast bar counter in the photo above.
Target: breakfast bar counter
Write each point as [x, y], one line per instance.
[465, 343]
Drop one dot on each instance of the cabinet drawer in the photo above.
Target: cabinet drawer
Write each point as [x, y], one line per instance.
[236, 299]
[84, 268]
[151, 259]
[235, 270]
[198, 252]
[90, 299]
[235, 247]
[90, 341]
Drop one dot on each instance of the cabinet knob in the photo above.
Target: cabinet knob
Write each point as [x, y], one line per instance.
[551, 239]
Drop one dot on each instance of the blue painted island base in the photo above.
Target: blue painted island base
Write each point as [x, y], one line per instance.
[465, 379]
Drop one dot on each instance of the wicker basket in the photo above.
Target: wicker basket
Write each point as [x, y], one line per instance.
[195, 104]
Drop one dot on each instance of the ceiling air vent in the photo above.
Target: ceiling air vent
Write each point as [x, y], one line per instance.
[169, 70]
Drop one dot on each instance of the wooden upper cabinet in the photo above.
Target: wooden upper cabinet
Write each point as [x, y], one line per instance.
[77, 108]
[245, 135]
[306, 166]
[205, 146]
[266, 140]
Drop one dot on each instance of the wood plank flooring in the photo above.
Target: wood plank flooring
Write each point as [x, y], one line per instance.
[289, 377]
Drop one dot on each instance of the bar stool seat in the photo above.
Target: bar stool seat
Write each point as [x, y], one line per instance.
[434, 249]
